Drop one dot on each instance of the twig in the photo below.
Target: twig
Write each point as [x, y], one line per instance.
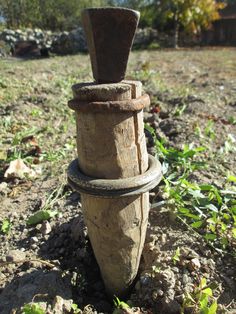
[29, 261]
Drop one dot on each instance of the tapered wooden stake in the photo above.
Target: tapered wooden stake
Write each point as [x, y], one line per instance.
[112, 145]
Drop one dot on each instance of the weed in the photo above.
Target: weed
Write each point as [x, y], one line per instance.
[229, 145]
[33, 308]
[75, 309]
[201, 300]
[46, 211]
[204, 207]
[6, 226]
[209, 130]
[120, 304]
[23, 134]
[36, 112]
[179, 110]
[176, 256]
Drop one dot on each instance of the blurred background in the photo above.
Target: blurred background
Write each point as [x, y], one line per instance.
[43, 27]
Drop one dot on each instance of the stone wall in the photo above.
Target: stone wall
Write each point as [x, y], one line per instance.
[63, 43]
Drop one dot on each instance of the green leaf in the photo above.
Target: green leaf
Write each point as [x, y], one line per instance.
[75, 309]
[210, 236]
[206, 187]
[196, 224]
[213, 308]
[231, 178]
[212, 207]
[234, 232]
[203, 303]
[196, 193]
[203, 282]
[6, 226]
[120, 304]
[176, 256]
[40, 216]
[33, 308]
[207, 291]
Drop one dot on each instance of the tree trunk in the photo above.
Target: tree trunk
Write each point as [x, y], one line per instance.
[176, 31]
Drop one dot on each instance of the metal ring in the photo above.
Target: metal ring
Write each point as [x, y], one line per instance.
[112, 188]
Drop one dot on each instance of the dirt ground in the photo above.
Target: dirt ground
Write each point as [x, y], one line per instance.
[193, 101]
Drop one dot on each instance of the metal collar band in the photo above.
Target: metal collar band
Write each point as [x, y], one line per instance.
[112, 188]
[117, 106]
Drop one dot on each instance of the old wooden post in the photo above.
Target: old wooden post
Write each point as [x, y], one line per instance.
[113, 171]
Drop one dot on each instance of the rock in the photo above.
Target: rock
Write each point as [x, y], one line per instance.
[185, 279]
[60, 43]
[15, 255]
[45, 228]
[26, 48]
[3, 187]
[170, 307]
[194, 264]
[46, 285]
[61, 305]
[69, 43]
[34, 240]
[78, 229]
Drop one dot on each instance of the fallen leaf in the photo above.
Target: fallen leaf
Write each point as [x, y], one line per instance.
[18, 169]
[30, 140]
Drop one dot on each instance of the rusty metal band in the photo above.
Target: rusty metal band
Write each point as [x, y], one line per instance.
[115, 188]
[136, 104]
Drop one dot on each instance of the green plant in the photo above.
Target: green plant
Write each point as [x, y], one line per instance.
[201, 300]
[176, 256]
[33, 308]
[203, 207]
[23, 134]
[120, 304]
[179, 110]
[209, 129]
[75, 309]
[6, 226]
[46, 211]
[153, 46]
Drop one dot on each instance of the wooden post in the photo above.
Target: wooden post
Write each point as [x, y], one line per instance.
[112, 145]
[112, 148]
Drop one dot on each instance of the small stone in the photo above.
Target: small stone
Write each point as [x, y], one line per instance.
[194, 264]
[3, 188]
[175, 269]
[180, 298]
[160, 292]
[15, 255]
[61, 305]
[189, 253]
[185, 279]
[34, 239]
[145, 280]
[188, 288]
[163, 238]
[45, 228]
[211, 263]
